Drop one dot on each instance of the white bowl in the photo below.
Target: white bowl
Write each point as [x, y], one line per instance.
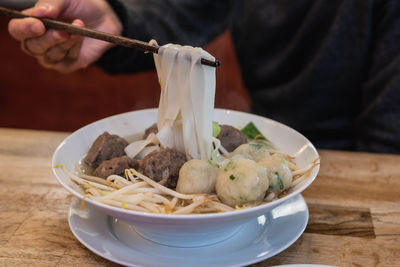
[183, 230]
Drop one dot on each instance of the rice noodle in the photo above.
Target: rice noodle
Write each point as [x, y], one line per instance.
[185, 111]
[136, 147]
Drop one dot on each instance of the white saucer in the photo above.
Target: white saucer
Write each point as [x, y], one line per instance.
[257, 240]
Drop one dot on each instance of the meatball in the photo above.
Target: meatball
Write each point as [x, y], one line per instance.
[231, 137]
[241, 181]
[163, 166]
[196, 176]
[254, 151]
[115, 166]
[152, 129]
[279, 175]
[105, 147]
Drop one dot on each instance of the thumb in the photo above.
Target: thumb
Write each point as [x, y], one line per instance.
[47, 8]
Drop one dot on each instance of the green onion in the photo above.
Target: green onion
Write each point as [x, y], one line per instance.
[86, 186]
[229, 166]
[252, 132]
[232, 177]
[213, 164]
[216, 129]
[256, 146]
[279, 180]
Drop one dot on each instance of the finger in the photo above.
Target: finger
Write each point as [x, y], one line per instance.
[76, 48]
[60, 51]
[72, 60]
[29, 11]
[41, 44]
[48, 8]
[27, 28]
[21, 29]
[70, 48]
[65, 66]
[78, 22]
[56, 54]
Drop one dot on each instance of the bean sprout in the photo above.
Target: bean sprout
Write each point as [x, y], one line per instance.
[140, 193]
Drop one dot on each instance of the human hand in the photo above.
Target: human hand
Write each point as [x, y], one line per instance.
[59, 50]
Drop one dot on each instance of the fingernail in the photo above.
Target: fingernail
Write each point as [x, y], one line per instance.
[37, 28]
[45, 6]
[43, 9]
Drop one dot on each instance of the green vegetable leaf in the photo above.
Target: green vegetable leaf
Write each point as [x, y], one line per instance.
[216, 129]
[252, 132]
[232, 177]
[279, 180]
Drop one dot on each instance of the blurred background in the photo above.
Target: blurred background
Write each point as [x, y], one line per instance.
[35, 98]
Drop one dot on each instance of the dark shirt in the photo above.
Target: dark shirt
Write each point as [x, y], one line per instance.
[329, 69]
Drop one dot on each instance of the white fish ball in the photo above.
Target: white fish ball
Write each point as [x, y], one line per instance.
[196, 176]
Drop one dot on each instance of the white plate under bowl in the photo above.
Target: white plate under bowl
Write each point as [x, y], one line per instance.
[259, 239]
[184, 230]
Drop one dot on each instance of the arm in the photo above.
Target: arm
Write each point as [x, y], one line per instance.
[186, 22]
[378, 124]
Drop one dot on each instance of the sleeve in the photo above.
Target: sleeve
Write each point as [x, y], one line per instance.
[186, 22]
[378, 124]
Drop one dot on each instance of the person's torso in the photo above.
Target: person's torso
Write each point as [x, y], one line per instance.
[304, 61]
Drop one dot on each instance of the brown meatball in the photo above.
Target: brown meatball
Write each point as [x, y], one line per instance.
[115, 166]
[105, 147]
[231, 137]
[163, 166]
[152, 129]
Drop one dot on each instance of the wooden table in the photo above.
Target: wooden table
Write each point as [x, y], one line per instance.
[354, 209]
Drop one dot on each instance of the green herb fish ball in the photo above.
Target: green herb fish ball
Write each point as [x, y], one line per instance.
[279, 175]
[241, 181]
[254, 151]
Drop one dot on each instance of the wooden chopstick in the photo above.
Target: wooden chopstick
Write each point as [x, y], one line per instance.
[115, 39]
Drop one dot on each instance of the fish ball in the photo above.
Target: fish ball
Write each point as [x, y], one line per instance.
[279, 175]
[254, 151]
[196, 176]
[241, 181]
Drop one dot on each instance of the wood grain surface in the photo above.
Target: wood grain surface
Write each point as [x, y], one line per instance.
[354, 209]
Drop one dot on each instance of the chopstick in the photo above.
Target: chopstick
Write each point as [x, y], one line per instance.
[115, 39]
